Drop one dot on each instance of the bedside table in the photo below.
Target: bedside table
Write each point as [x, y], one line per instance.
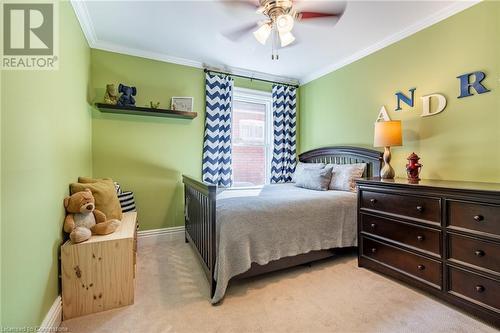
[440, 236]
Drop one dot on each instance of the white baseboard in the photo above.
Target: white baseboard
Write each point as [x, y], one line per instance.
[153, 236]
[160, 232]
[53, 318]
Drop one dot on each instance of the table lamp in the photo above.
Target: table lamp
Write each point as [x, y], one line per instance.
[387, 135]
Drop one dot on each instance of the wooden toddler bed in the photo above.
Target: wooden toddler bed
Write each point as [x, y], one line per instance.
[201, 216]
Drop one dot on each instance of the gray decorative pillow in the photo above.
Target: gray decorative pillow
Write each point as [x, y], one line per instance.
[343, 176]
[301, 166]
[314, 179]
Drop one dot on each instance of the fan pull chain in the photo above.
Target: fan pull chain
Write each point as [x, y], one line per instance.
[274, 41]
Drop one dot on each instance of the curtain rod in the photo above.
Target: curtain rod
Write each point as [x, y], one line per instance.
[206, 70]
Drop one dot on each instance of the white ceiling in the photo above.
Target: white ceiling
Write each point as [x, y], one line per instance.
[190, 32]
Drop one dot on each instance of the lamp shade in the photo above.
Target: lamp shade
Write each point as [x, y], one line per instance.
[388, 134]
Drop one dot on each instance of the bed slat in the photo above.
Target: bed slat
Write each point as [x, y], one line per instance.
[199, 201]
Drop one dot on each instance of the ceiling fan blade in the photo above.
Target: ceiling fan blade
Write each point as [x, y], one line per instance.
[236, 34]
[315, 15]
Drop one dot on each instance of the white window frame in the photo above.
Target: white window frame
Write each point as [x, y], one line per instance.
[259, 97]
[254, 123]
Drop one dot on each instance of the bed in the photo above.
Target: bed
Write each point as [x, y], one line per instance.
[246, 232]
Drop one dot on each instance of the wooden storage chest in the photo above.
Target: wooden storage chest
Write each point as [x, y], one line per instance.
[98, 274]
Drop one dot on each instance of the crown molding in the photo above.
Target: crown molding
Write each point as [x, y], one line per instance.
[86, 24]
[112, 47]
[83, 16]
[253, 74]
[418, 26]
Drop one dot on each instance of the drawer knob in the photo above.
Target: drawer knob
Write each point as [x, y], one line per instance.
[420, 208]
[420, 238]
[478, 218]
[373, 201]
[479, 288]
[479, 253]
[374, 249]
[421, 267]
[373, 225]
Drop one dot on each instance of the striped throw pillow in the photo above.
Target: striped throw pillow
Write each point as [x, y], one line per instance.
[127, 201]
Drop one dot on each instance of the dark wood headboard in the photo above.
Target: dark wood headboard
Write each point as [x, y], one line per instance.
[346, 155]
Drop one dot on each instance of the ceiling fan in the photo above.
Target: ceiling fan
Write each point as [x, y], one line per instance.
[281, 15]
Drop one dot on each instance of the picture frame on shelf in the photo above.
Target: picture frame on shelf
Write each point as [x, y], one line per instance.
[182, 104]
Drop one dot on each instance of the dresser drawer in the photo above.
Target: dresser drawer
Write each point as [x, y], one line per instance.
[423, 208]
[474, 216]
[476, 252]
[419, 237]
[476, 287]
[409, 263]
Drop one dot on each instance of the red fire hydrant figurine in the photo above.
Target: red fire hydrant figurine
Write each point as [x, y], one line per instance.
[413, 167]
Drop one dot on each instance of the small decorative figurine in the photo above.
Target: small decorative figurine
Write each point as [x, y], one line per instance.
[126, 98]
[111, 96]
[413, 167]
[154, 105]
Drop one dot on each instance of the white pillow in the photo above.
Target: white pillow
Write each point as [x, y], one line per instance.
[301, 166]
[314, 179]
[343, 176]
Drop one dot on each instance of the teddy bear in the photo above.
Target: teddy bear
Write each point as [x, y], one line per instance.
[126, 98]
[83, 220]
[110, 97]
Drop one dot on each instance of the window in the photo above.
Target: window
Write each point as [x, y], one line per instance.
[251, 137]
[252, 130]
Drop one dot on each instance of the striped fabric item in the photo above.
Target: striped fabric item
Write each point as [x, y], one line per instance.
[216, 167]
[127, 201]
[284, 124]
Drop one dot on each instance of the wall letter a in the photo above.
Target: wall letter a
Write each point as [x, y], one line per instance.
[407, 100]
[382, 115]
[465, 84]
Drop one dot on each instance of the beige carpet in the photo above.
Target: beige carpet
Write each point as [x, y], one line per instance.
[331, 296]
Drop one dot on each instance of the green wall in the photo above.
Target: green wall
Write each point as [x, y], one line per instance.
[462, 142]
[1, 112]
[45, 145]
[148, 155]
[48, 138]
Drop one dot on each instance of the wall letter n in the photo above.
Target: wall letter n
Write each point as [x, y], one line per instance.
[407, 100]
[465, 84]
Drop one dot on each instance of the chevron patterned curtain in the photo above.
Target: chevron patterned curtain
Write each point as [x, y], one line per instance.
[217, 141]
[284, 149]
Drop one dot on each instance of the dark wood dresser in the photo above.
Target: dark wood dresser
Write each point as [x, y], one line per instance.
[440, 236]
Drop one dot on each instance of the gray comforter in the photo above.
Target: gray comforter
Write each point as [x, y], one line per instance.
[261, 225]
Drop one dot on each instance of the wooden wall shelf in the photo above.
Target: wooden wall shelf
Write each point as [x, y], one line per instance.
[144, 111]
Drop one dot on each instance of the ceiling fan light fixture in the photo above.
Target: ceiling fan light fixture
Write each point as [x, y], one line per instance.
[262, 34]
[284, 23]
[286, 38]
